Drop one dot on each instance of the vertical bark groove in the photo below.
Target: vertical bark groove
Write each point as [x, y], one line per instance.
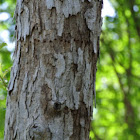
[52, 80]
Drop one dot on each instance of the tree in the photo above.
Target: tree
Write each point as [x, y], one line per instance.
[118, 82]
[50, 93]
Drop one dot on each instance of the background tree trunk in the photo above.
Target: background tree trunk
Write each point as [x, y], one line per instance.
[50, 94]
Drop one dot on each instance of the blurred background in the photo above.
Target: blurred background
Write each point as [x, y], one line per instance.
[117, 115]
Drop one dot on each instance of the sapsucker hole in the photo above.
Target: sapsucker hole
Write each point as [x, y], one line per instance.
[57, 106]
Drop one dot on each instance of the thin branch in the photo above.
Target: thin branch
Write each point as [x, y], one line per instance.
[4, 83]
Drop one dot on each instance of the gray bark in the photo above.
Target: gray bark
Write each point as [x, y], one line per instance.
[50, 93]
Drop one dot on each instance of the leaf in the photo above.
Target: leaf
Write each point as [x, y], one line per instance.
[2, 45]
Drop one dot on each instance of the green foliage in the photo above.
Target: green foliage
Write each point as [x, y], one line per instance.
[8, 7]
[5, 64]
[118, 79]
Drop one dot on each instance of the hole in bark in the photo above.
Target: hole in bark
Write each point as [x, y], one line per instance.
[57, 106]
[66, 111]
[75, 67]
[34, 126]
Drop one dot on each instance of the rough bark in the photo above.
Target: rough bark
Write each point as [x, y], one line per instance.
[50, 93]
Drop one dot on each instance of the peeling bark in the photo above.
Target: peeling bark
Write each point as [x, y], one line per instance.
[51, 88]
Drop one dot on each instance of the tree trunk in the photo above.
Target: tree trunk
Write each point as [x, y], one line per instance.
[50, 94]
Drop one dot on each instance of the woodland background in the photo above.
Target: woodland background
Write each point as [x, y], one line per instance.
[117, 115]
